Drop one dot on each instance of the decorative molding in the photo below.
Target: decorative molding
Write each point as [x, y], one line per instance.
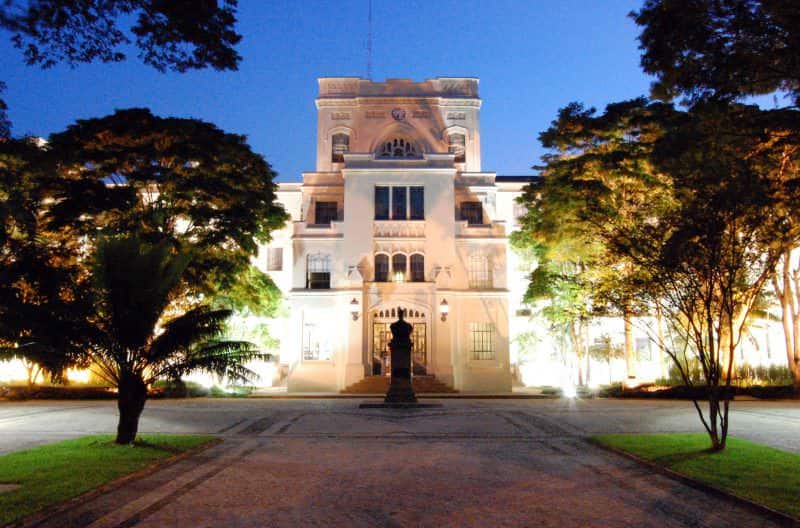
[340, 116]
[375, 114]
[456, 116]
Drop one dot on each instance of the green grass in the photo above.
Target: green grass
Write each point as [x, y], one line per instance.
[762, 474]
[54, 473]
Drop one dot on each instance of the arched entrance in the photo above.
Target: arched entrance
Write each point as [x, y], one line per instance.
[381, 335]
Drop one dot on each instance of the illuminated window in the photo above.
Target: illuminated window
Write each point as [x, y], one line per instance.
[398, 148]
[478, 272]
[316, 346]
[381, 267]
[457, 146]
[318, 272]
[417, 268]
[399, 267]
[340, 145]
[472, 212]
[274, 259]
[482, 341]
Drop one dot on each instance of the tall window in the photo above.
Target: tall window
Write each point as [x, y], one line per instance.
[478, 272]
[472, 212]
[381, 267]
[417, 268]
[416, 203]
[325, 213]
[482, 341]
[316, 346]
[399, 203]
[381, 203]
[399, 267]
[398, 148]
[458, 147]
[274, 259]
[340, 144]
[318, 272]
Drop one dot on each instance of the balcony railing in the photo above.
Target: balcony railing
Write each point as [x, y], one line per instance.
[304, 229]
[493, 230]
[398, 228]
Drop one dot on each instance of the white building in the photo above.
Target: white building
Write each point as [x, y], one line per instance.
[397, 215]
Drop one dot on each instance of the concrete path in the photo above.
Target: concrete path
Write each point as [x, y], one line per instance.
[470, 463]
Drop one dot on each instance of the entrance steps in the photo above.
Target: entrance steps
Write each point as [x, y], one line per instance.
[380, 384]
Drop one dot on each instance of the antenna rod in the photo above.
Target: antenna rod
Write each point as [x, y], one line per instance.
[369, 43]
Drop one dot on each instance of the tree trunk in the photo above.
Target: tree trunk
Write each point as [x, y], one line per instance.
[630, 358]
[785, 282]
[130, 402]
[662, 364]
[577, 346]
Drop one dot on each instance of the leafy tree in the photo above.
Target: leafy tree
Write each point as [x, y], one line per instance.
[171, 34]
[132, 342]
[709, 258]
[181, 180]
[40, 277]
[597, 180]
[5, 124]
[721, 48]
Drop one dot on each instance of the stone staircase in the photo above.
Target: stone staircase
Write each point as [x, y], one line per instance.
[379, 385]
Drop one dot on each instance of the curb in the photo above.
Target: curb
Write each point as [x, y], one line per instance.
[35, 519]
[782, 518]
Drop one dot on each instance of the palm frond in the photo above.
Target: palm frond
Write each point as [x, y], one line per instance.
[182, 333]
[223, 358]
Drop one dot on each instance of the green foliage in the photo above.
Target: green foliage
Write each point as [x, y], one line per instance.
[52, 474]
[721, 48]
[759, 473]
[179, 35]
[181, 180]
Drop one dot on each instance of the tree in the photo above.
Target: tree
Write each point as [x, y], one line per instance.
[5, 124]
[597, 179]
[709, 258]
[721, 48]
[177, 34]
[132, 342]
[181, 180]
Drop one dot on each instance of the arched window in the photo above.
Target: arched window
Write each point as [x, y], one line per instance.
[381, 267]
[318, 271]
[399, 267]
[398, 148]
[340, 145]
[417, 268]
[457, 146]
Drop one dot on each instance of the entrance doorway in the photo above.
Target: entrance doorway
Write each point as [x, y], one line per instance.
[382, 335]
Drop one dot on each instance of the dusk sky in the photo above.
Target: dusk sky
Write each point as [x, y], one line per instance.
[532, 58]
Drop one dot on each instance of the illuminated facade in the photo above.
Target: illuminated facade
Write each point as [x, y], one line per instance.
[397, 215]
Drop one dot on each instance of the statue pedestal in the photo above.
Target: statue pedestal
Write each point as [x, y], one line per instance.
[400, 389]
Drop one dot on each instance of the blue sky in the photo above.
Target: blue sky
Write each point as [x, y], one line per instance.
[532, 56]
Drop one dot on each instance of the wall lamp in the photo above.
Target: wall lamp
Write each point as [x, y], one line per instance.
[355, 309]
[444, 309]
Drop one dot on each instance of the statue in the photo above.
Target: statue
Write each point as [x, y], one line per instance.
[400, 389]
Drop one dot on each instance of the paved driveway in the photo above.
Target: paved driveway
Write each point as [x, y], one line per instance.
[468, 463]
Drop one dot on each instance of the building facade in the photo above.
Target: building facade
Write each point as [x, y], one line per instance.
[398, 215]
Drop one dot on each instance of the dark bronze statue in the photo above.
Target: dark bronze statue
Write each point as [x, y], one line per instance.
[400, 389]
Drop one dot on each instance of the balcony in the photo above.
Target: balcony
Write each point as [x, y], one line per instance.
[493, 230]
[306, 230]
[398, 229]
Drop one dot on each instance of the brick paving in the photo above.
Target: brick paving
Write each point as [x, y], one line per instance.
[468, 463]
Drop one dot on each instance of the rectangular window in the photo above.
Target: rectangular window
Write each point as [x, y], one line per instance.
[482, 341]
[399, 203]
[416, 203]
[381, 203]
[274, 259]
[318, 274]
[381, 268]
[472, 212]
[315, 344]
[417, 268]
[478, 273]
[643, 351]
[325, 213]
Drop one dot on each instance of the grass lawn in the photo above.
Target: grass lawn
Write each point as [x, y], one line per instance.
[54, 473]
[762, 474]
